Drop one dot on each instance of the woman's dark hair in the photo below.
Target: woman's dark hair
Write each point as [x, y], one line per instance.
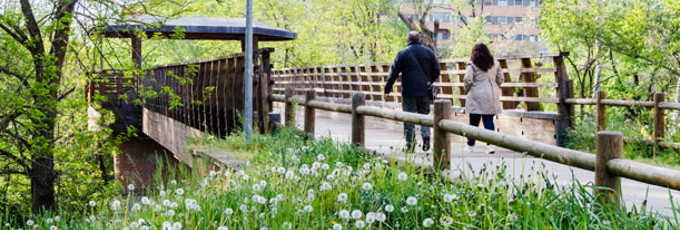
[482, 57]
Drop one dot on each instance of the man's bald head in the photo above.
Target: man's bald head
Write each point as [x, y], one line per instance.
[413, 37]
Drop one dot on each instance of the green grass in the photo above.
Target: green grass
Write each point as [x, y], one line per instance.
[293, 184]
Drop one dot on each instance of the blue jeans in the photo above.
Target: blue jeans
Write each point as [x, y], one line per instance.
[419, 105]
[474, 121]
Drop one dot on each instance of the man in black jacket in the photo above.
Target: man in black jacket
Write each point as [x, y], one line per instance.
[419, 68]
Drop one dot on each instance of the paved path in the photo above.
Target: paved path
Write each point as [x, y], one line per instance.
[386, 137]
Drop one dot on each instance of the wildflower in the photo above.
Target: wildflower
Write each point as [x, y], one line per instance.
[263, 183]
[402, 176]
[179, 191]
[279, 197]
[92, 218]
[145, 227]
[131, 187]
[170, 213]
[320, 157]
[290, 175]
[30, 222]
[330, 177]
[450, 197]
[428, 222]
[512, 217]
[174, 205]
[56, 218]
[446, 220]
[389, 208]
[342, 197]
[173, 182]
[308, 208]
[162, 193]
[287, 225]
[411, 201]
[337, 227]
[370, 217]
[367, 166]
[471, 214]
[243, 208]
[177, 226]
[146, 201]
[281, 170]
[344, 214]
[356, 214]
[115, 205]
[325, 166]
[92, 203]
[192, 204]
[134, 225]
[228, 211]
[53, 227]
[404, 209]
[222, 228]
[325, 186]
[212, 174]
[379, 216]
[48, 220]
[360, 224]
[167, 225]
[166, 203]
[227, 173]
[136, 207]
[256, 187]
[367, 186]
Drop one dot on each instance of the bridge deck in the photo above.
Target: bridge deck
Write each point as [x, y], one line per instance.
[386, 137]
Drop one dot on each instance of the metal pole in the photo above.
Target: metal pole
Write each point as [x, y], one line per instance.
[249, 72]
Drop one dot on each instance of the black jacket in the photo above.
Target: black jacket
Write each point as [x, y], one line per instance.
[418, 66]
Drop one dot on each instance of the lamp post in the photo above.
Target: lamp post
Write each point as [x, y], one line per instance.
[248, 129]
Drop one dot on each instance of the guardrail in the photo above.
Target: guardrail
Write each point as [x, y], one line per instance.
[607, 164]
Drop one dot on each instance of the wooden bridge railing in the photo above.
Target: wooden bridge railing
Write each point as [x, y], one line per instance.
[111, 85]
[533, 85]
[208, 95]
[607, 164]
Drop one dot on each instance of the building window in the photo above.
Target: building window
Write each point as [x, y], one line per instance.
[519, 38]
[442, 16]
[503, 2]
[518, 3]
[518, 19]
[502, 20]
[532, 3]
[488, 2]
[443, 34]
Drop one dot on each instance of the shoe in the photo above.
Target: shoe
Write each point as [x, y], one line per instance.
[469, 149]
[490, 149]
[426, 143]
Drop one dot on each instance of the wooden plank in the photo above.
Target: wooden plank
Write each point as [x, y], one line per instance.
[507, 91]
[529, 91]
[461, 89]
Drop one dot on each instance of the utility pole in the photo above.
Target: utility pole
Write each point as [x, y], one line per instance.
[249, 73]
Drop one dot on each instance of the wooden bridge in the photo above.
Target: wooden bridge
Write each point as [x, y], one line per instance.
[194, 99]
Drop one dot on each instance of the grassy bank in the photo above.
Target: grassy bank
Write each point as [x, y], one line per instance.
[293, 184]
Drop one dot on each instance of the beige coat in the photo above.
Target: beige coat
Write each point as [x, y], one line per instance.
[483, 91]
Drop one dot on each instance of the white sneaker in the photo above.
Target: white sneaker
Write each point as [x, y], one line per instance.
[490, 149]
[469, 149]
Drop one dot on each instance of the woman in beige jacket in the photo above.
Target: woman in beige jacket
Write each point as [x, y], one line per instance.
[483, 78]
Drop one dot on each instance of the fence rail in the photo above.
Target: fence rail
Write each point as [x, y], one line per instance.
[607, 163]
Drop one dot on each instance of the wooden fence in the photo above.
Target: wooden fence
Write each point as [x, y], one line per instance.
[607, 164]
[533, 94]
[532, 83]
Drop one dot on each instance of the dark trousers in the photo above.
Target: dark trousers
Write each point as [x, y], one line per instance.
[415, 105]
[474, 121]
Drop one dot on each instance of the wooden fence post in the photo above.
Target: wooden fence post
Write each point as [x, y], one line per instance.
[659, 120]
[358, 120]
[289, 109]
[565, 112]
[310, 115]
[442, 140]
[601, 119]
[609, 146]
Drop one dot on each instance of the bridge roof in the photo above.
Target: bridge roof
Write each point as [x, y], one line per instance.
[202, 28]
